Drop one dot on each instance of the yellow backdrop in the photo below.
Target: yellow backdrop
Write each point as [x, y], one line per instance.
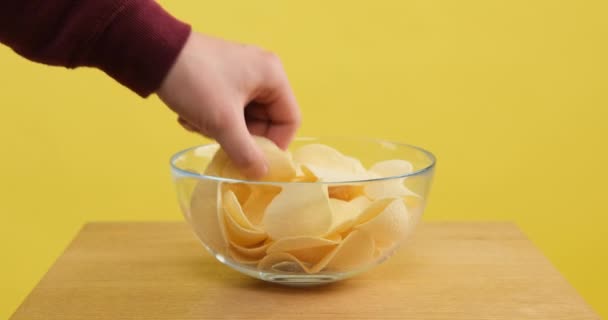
[512, 97]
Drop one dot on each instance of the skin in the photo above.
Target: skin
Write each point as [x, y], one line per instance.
[229, 92]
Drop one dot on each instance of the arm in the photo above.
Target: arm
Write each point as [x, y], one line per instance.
[222, 90]
[134, 41]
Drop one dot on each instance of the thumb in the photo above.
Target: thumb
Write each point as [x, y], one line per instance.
[240, 147]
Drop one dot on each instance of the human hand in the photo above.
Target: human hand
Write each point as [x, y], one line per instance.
[228, 91]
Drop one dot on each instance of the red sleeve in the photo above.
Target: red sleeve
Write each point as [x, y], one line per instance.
[134, 41]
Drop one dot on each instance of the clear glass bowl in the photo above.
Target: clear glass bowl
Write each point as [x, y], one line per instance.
[370, 217]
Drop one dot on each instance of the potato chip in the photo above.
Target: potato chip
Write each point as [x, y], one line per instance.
[251, 253]
[288, 267]
[336, 237]
[300, 209]
[389, 225]
[233, 208]
[378, 252]
[206, 151]
[325, 156]
[304, 179]
[241, 236]
[242, 191]
[390, 187]
[361, 203]
[413, 203]
[374, 209]
[206, 215]
[328, 164]
[306, 172]
[279, 259]
[305, 227]
[304, 175]
[259, 198]
[199, 162]
[337, 174]
[390, 168]
[243, 259]
[355, 251]
[344, 215]
[306, 249]
[314, 255]
[280, 164]
[297, 243]
[217, 164]
[345, 192]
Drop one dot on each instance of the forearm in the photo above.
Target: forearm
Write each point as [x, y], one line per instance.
[134, 41]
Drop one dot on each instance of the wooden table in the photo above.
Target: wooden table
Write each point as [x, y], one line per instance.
[160, 271]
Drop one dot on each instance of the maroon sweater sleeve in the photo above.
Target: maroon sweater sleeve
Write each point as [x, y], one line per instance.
[134, 41]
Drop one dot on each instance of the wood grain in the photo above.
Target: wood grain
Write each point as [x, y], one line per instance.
[127, 271]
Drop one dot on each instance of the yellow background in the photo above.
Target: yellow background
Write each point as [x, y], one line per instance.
[512, 97]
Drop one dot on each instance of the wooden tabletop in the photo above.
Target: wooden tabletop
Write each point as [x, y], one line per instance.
[125, 271]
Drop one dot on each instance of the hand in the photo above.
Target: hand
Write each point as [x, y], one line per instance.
[228, 91]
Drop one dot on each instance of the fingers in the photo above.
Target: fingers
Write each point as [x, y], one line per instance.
[238, 143]
[284, 115]
[280, 107]
[187, 125]
[209, 87]
[274, 131]
[239, 146]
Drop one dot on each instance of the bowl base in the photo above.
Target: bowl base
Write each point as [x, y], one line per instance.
[284, 278]
[298, 280]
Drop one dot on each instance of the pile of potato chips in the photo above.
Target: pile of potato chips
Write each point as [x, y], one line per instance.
[306, 223]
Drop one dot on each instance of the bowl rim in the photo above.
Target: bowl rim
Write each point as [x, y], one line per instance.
[191, 174]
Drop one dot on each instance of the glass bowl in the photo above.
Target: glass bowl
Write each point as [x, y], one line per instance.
[324, 225]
